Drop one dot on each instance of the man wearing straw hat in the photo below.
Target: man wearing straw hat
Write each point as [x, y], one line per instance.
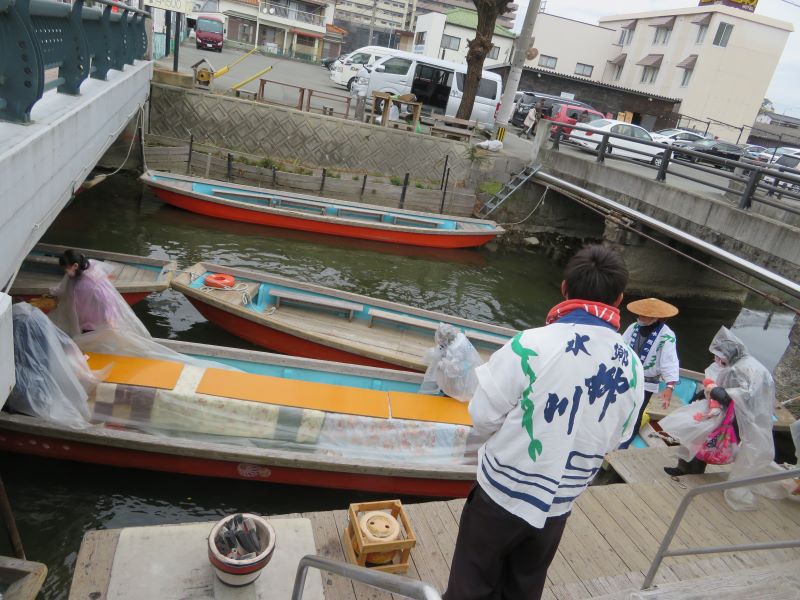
[655, 345]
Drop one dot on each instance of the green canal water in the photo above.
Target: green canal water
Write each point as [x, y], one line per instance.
[57, 502]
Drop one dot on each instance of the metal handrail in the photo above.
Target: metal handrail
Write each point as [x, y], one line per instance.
[750, 175]
[404, 586]
[663, 549]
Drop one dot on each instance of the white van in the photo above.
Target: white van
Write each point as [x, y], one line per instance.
[345, 72]
[438, 84]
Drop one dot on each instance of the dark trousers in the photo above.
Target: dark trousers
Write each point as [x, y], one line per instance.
[647, 396]
[499, 556]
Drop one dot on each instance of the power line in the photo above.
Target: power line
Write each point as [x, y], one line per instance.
[792, 3]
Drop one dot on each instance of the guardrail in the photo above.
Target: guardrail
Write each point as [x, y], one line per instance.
[81, 41]
[292, 14]
[663, 549]
[758, 182]
[396, 584]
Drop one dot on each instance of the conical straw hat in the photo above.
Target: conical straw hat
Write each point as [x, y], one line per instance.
[653, 308]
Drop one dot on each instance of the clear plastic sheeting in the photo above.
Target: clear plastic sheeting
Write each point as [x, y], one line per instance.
[53, 377]
[182, 413]
[90, 302]
[451, 365]
[750, 385]
[682, 426]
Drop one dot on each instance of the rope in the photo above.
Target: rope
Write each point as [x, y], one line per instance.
[133, 139]
[237, 287]
[530, 214]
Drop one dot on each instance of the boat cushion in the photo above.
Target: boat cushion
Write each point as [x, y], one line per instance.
[437, 409]
[144, 372]
[289, 392]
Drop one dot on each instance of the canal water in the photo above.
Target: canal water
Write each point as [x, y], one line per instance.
[56, 503]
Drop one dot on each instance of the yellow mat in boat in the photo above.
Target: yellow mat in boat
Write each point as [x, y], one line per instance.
[145, 372]
[291, 392]
[420, 407]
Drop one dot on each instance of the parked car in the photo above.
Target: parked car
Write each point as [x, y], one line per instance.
[714, 150]
[787, 163]
[752, 151]
[529, 99]
[347, 71]
[619, 147]
[438, 84]
[329, 62]
[773, 154]
[208, 33]
[569, 114]
[676, 136]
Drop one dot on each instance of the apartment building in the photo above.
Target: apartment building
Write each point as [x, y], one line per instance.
[424, 7]
[717, 59]
[297, 28]
[388, 20]
[446, 35]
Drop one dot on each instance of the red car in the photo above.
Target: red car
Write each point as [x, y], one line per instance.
[209, 33]
[569, 114]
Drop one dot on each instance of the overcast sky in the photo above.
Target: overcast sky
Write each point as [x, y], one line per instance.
[784, 91]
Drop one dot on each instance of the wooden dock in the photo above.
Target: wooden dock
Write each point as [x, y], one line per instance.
[609, 542]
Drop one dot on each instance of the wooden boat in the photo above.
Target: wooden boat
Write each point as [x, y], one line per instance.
[303, 319]
[288, 210]
[135, 277]
[310, 401]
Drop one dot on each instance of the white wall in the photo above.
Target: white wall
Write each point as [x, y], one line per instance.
[573, 42]
[435, 26]
[727, 84]
[6, 349]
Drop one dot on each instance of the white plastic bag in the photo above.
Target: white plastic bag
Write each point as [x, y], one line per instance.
[491, 145]
[451, 365]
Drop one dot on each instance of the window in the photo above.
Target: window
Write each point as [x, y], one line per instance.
[494, 52]
[701, 33]
[617, 72]
[622, 130]
[419, 40]
[487, 88]
[584, 70]
[548, 62]
[450, 43]
[625, 36]
[641, 134]
[723, 34]
[687, 75]
[396, 66]
[359, 59]
[649, 74]
[661, 36]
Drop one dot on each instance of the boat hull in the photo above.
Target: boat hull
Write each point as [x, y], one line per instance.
[280, 341]
[131, 298]
[243, 215]
[132, 458]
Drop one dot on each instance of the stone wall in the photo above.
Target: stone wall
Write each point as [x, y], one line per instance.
[285, 134]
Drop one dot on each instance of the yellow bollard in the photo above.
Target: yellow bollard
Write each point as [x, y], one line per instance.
[249, 79]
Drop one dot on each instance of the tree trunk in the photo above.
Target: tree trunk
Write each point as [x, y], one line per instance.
[479, 48]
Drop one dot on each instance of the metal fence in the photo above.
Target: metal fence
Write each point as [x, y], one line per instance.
[305, 99]
[754, 182]
[80, 41]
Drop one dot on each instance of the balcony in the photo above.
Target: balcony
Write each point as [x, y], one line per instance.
[271, 10]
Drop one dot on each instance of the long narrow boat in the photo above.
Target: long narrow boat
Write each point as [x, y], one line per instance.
[278, 419]
[135, 277]
[288, 210]
[314, 321]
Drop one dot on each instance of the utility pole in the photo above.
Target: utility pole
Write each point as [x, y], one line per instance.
[517, 62]
[258, 13]
[372, 21]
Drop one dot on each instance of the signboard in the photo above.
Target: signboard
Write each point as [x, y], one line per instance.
[748, 5]
[181, 6]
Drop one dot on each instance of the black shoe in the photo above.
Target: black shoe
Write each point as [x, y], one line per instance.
[674, 471]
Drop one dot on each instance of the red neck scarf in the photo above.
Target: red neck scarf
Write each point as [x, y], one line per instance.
[607, 313]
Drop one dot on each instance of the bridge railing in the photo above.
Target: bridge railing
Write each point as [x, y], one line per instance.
[80, 41]
[766, 184]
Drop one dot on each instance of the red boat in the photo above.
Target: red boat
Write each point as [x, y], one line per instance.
[313, 321]
[135, 277]
[279, 419]
[287, 210]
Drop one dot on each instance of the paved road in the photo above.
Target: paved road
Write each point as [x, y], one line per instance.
[287, 71]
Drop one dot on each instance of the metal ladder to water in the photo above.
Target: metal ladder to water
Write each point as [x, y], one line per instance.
[511, 186]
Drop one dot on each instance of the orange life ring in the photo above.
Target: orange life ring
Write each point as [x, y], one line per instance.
[219, 280]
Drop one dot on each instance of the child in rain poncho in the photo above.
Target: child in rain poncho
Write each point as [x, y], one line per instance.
[750, 386]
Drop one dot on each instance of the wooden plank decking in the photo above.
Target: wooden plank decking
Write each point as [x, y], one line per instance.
[608, 544]
[647, 464]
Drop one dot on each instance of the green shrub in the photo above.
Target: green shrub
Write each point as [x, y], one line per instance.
[490, 187]
[395, 180]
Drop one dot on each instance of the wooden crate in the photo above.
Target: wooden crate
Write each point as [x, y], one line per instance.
[357, 548]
